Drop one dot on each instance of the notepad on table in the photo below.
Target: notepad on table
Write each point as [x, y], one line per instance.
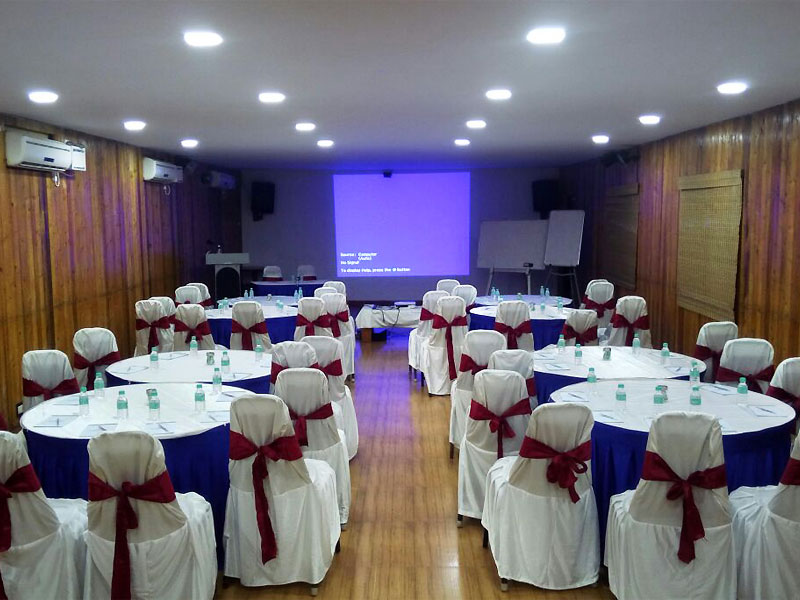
[159, 427]
[98, 428]
[607, 416]
[722, 390]
[556, 367]
[759, 410]
[215, 416]
[57, 421]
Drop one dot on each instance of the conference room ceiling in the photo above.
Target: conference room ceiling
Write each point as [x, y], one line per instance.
[392, 82]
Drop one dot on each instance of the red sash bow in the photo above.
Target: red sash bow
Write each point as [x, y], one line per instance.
[30, 388]
[617, 321]
[23, 480]
[530, 383]
[791, 474]
[656, 469]
[439, 322]
[301, 428]
[162, 323]
[765, 374]
[513, 333]
[584, 338]
[425, 315]
[309, 277]
[784, 396]
[343, 316]
[704, 353]
[599, 308]
[322, 321]
[332, 369]
[81, 362]
[563, 466]
[247, 339]
[498, 423]
[208, 302]
[200, 331]
[284, 448]
[468, 364]
[275, 371]
[273, 278]
[158, 489]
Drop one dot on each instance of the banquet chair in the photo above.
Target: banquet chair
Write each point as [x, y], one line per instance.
[168, 304]
[205, 296]
[329, 360]
[710, 341]
[751, 358]
[312, 318]
[288, 355]
[284, 527]
[671, 536]
[46, 374]
[785, 385]
[339, 286]
[272, 273]
[341, 328]
[447, 285]
[442, 353]
[420, 334]
[94, 349]
[520, 361]
[169, 537]
[43, 553]
[498, 418]
[248, 327]
[766, 533]
[599, 297]
[188, 294]
[540, 515]
[580, 328]
[468, 293]
[478, 347]
[153, 328]
[305, 392]
[513, 320]
[306, 273]
[191, 320]
[325, 289]
[630, 317]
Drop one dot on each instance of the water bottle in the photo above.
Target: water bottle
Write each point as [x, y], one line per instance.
[562, 343]
[664, 353]
[217, 381]
[541, 291]
[193, 347]
[578, 354]
[122, 405]
[269, 297]
[259, 353]
[547, 292]
[742, 387]
[252, 294]
[694, 373]
[694, 397]
[295, 295]
[225, 362]
[621, 395]
[637, 343]
[199, 399]
[226, 304]
[541, 306]
[658, 396]
[83, 402]
[560, 306]
[154, 404]
[519, 295]
[592, 377]
[154, 360]
[99, 386]
[299, 292]
[280, 305]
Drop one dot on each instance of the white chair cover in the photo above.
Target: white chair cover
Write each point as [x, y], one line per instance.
[172, 551]
[766, 532]
[151, 311]
[336, 306]
[419, 335]
[248, 314]
[498, 391]
[305, 391]
[306, 272]
[514, 313]
[325, 289]
[711, 338]
[205, 295]
[47, 368]
[466, 292]
[581, 321]
[302, 504]
[600, 292]
[311, 309]
[436, 367]
[631, 308]
[329, 351]
[537, 534]
[47, 557]
[448, 285]
[519, 361]
[339, 286]
[478, 347]
[748, 356]
[93, 344]
[785, 384]
[168, 304]
[644, 528]
[272, 273]
[188, 294]
[192, 315]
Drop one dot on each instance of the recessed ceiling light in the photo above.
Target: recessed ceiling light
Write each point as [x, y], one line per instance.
[134, 125]
[325, 143]
[649, 119]
[189, 143]
[732, 87]
[461, 142]
[271, 97]
[498, 94]
[305, 126]
[600, 139]
[546, 35]
[476, 123]
[202, 39]
[42, 96]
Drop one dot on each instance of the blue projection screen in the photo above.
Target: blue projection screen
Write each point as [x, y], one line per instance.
[404, 225]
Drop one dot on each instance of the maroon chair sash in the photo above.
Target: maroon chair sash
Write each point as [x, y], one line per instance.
[656, 469]
[343, 316]
[22, 481]
[599, 308]
[470, 307]
[784, 396]
[275, 371]
[498, 423]
[563, 466]
[322, 321]
[162, 323]
[530, 383]
[468, 364]
[200, 331]
[513, 333]
[725, 374]
[207, 303]
[158, 489]
[704, 353]
[273, 278]
[247, 339]
[439, 322]
[309, 277]
[284, 448]
[791, 474]
[582, 338]
[332, 369]
[301, 427]
[31, 388]
[425, 315]
[617, 321]
[80, 362]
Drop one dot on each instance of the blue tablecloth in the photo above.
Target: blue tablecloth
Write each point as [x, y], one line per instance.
[257, 385]
[281, 329]
[545, 331]
[263, 288]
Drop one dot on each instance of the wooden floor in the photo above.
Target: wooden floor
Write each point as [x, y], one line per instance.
[402, 542]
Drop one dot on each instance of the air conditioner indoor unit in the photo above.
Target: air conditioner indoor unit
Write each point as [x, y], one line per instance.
[29, 150]
[160, 171]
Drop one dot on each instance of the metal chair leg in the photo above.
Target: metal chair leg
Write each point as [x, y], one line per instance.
[485, 538]
[452, 451]
[460, 521]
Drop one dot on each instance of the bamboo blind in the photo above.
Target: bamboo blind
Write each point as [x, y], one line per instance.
[620, 235]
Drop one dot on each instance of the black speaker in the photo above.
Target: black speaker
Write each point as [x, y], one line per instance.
[262, 199]
[545, 196]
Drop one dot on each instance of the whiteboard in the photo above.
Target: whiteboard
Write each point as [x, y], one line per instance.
[508, 245]
[564, 237]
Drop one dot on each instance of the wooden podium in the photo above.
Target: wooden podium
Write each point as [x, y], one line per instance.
[229, 260]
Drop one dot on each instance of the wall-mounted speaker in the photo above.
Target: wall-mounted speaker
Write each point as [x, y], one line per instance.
[544, 193]
[262, 199]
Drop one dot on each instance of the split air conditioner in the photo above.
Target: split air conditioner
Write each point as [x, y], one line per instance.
[160, 171]
[29, 150]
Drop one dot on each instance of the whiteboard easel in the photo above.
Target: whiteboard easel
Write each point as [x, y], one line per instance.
[512, 247]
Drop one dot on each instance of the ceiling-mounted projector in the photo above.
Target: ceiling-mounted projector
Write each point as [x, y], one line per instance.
[217, 179]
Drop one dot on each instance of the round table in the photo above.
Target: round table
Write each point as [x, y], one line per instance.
[286, 288]
[546, 326]
[280, 323]
[534, 299]
[266, 300]
[554, 370]
[181, 367]
[756, 443]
